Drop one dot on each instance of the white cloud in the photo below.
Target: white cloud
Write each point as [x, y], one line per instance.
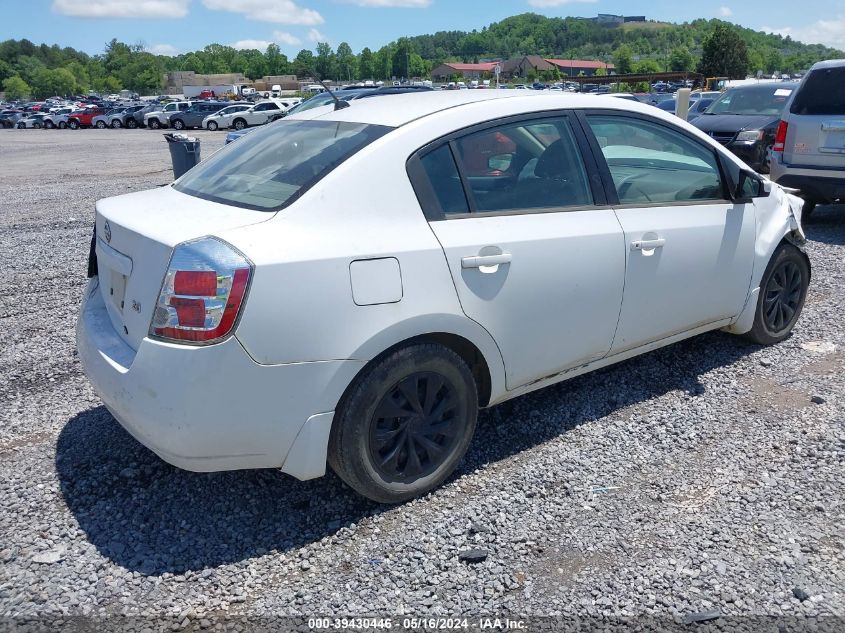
[242, 45]
[163, 49]
[278, 11]
[545, 4]
[405, 4]
[315, 36]
[725, 12]
[122, 8]
[827, 32]
[286, 38]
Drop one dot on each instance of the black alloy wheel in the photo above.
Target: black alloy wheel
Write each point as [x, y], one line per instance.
[154, 124]
[783, 296]
[414, 426]
[131, 124]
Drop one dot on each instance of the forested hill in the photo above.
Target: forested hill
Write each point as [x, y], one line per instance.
[574, 38]
[28, 69]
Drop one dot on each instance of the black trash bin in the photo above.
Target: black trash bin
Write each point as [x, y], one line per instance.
[184, 152]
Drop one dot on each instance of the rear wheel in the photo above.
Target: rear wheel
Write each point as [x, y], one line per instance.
[101, 125]
[783, 291]
[212, 126]
[154, 124]
[131, 124]
[73, 124]
[116, 124]
[49, 125]
[239, 124]
[405, 423]
[62, 125]
[37, 126]
[178, 124]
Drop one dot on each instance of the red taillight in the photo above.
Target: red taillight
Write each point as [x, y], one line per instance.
[195, 283]
[780, 136]
[202, 293]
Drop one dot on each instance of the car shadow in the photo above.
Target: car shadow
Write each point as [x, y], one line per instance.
[827, 225]
[150, 517]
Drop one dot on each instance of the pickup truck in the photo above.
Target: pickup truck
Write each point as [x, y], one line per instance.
[82, 118]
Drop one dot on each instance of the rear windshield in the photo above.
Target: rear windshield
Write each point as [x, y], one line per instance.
[272, 166]
[823, 93]
[769, 100]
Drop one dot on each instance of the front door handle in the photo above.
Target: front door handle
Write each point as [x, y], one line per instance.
[480, 261]
[648, 245]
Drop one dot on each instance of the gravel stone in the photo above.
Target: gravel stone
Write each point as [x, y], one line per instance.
[696, 478]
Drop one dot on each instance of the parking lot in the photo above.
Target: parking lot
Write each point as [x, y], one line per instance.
[704, 477]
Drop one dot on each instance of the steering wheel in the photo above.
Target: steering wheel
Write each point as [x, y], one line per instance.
[625, 185]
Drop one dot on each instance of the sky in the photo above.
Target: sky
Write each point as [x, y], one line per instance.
[175, 26]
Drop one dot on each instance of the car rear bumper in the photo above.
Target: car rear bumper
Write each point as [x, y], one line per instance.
[211, 408]
[820, 185]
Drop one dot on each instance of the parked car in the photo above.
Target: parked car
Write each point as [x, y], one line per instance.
[193, 116]
[745, 118]
[58, 118]
[366, 332]
[31, 121]
[10, 117]
[84, 117]
[135, 118]
[697, 107]
[111, 118]
[259, 114]
[161, 118]
[223, 118]
[809, 148]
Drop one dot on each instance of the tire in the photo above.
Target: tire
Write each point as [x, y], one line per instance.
[212, 126]
[73, 124]
[131, 124]
[48, 125]
[178, 124]
[154, 124]
[380, 466]
[116, 124]
[783, 291]
[101, 125]
[21, 126]
[62, 125]
[239, 124]
[37, 126]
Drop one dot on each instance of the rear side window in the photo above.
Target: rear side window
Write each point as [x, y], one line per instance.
[651, 163]
[272, 166]
[823, 93]
[442, 173]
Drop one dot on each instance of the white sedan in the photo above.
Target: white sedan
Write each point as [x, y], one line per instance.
[259, 314]
[223, 118]
[260, 113]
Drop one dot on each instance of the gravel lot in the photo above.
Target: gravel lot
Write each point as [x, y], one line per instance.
[706, 476]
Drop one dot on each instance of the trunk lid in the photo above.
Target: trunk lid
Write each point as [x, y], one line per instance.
[135, 236]
[817, 141]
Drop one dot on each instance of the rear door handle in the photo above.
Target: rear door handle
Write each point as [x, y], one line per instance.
[477, 261]
[647, 245]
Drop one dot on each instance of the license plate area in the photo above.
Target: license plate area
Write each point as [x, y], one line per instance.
[117, 289]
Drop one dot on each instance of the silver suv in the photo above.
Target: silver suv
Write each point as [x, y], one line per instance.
[809, 149]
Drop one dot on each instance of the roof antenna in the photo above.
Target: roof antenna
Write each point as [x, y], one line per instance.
[338, 104]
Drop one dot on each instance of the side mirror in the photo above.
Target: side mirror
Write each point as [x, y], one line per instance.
[751, 186]
[500, 162]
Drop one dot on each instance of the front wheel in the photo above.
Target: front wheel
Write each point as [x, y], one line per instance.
[101, 125]
[153, 124]
[62, 125]
[116, 124]
[239, 124]
[783, 291]
[212, 126]
[73, 124]
[405, 423]
[131, 124]
[178, 125]
[48, 125]
[37, 126]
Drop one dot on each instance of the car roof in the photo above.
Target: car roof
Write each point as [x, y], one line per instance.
[768, 86]
[830, 63]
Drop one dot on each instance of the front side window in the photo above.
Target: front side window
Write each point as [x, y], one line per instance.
[528, 165]
[651, 163]
[272, 166]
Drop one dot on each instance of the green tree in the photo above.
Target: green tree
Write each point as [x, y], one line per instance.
[383, 67]
[107, 85]
[49, 83]
[366, 64]
[6, 70]
[724, 54]
[623, 59]
[346, 66]
[325, 61]
[647, 67]
[681, 59]
[401, 58]
[276, 63]
[16, 88]
[303, 63]
[774, 61]
[601, 72]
